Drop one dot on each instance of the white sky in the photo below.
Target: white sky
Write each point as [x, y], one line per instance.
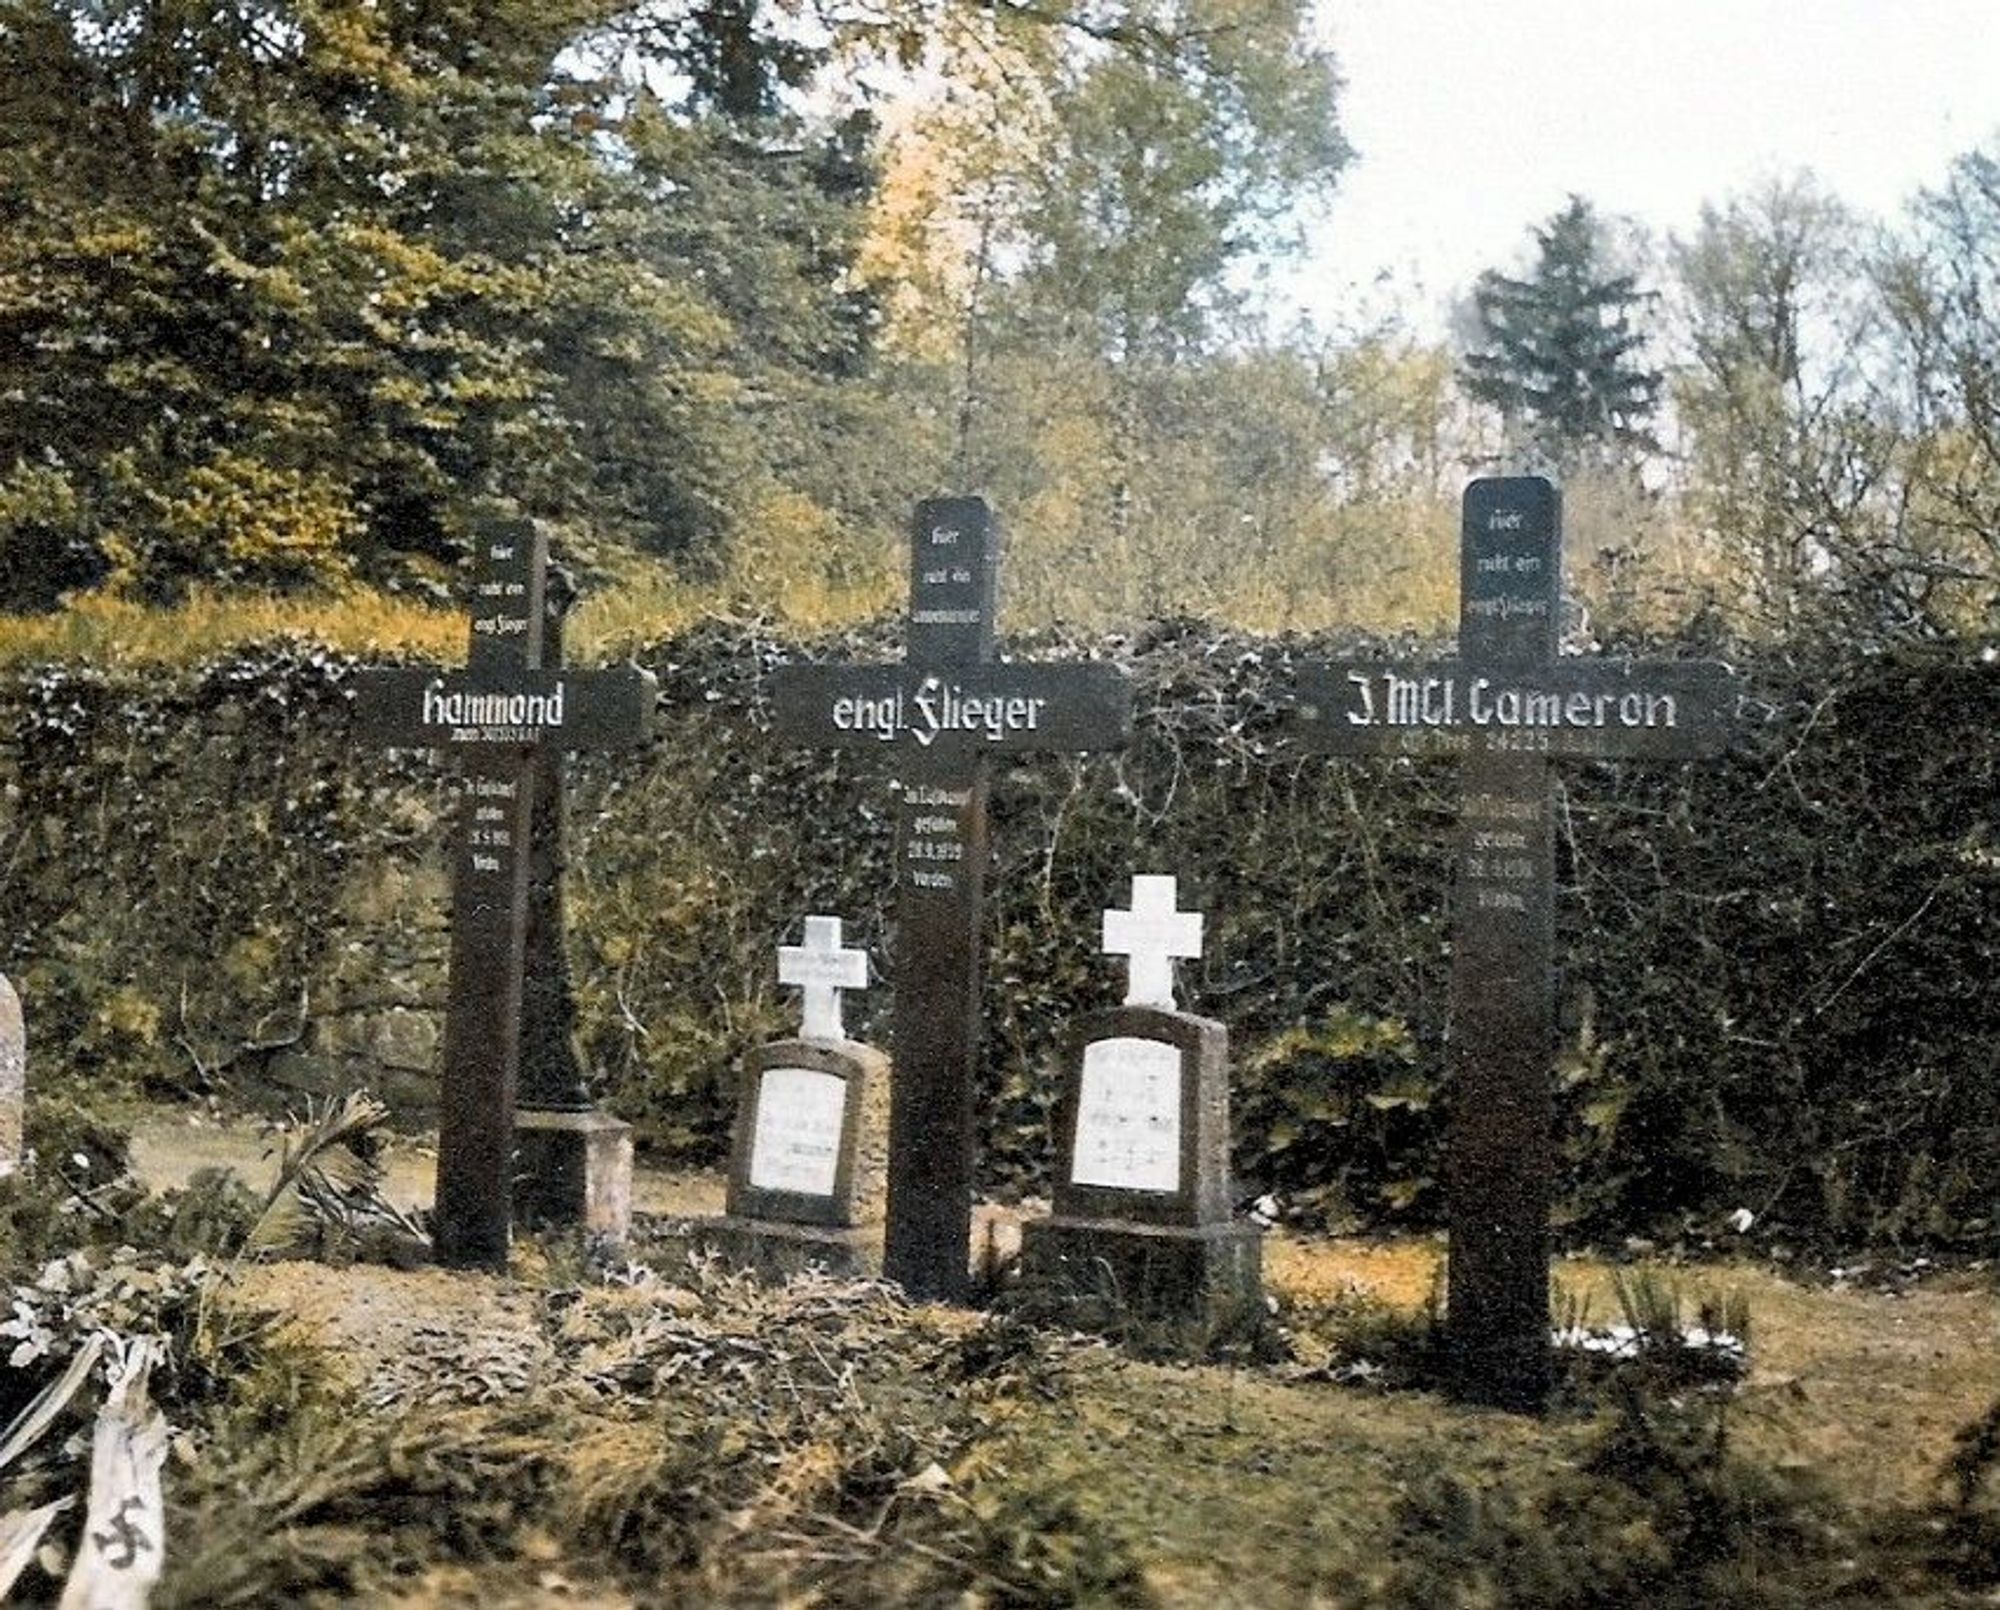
[1475, 119]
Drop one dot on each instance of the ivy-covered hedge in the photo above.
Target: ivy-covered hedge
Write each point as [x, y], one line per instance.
[1777, 968]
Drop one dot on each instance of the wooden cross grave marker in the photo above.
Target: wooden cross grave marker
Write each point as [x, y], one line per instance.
[940, 715]
[503, 712]
[1505, 708]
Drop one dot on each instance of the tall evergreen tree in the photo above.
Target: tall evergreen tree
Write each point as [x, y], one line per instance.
[1558, 353]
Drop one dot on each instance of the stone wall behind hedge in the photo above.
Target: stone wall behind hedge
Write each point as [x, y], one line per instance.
[1777, 969]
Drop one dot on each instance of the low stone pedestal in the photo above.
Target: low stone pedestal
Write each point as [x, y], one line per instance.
[1208, 1277]
[573, 1168]
[774, 1251]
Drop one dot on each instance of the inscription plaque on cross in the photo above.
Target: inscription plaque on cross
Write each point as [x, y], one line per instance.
[1506, 707]
[939, 715]
[498, 715]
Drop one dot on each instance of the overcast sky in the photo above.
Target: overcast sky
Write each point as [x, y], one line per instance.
[1474, 119]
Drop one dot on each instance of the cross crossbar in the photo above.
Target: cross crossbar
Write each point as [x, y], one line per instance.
[498, 715]
[1150, 936]
[1507, 706]
[820, 968]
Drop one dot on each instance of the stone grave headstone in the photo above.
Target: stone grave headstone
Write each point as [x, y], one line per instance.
[809, 1166]
[939, 716]
[1141, 1220]
[13, 1077]
[497, 716]
[1505, 708]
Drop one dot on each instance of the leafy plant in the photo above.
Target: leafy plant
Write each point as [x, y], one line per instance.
[328, 1190]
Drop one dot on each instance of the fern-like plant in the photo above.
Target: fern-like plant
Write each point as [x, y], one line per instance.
[329, 1181]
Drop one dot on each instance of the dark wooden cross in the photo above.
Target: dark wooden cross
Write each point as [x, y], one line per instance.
[940, 715]
[504, 715]
[1505, 708]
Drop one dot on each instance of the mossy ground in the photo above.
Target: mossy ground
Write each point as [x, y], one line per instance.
[556, 1439]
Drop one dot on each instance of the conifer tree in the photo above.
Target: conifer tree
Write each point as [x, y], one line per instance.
[1558, 353]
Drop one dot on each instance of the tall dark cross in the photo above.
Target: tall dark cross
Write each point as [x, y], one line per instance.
[502, 716]
[1505, 708]
[940, 715]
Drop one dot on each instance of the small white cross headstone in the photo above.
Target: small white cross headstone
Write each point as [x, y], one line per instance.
[822, 969]
[1152, 934]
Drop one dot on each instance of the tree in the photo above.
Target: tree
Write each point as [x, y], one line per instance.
[1088, 229]
[1557, 353]
[1797, 451]
[1942, 287]
[288, 289]
[1167, 167]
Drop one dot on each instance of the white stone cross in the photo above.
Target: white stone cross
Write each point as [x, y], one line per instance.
[1152, 934]
[822, 969]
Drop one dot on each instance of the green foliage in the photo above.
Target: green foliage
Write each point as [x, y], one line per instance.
[1359, 1340]
[1557, 353]
[327, 1193]
[1345, 1120]
[1782, 953]
[1786, 445]
[1660, 1510]
[1839, 407]
[289, 292]
[1964, 1543]
[1168, 163]
[1975, 1456]
[1042, 1551]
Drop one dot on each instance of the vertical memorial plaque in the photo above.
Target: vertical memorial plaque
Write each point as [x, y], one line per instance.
[941, 853]
[1506, 707]
[940, 715]
[13, 1078]
[1500, 1147]
[489, 913]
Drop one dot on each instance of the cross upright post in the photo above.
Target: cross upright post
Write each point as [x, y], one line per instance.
[497, 716]
[1151, 936]
[1505, 708]
[940, 715]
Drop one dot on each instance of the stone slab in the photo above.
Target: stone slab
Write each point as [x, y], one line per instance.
[823, 1159]
[1174, 1156]
[775, 1252]
[1187, 1278]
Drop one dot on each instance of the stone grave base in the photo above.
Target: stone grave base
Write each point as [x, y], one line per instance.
[774, 1250]
[1194, 1280]
[573, 1168]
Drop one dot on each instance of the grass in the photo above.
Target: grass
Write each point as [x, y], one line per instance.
[114, 633]
[645, 603]
[684, 1436]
